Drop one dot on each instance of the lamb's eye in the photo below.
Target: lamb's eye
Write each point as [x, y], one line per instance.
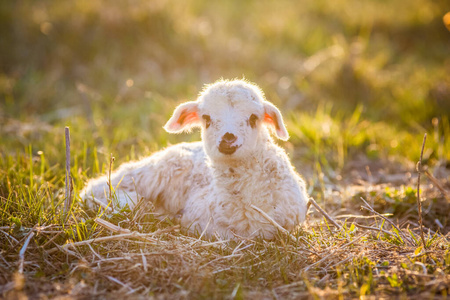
[252, 120]
[207, 120]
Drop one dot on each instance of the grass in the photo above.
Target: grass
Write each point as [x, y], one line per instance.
[358, 83]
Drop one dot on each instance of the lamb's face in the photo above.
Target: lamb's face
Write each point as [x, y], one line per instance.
[231, 123]
[233, 116]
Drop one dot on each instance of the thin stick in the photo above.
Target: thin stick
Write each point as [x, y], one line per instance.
[111, 161]
[52, 239]
[320, 209]
[144, 262]
[68, 201]
[273, 222]
[145, 237]
[332, 252]
[370, 208]
[11, 237]
[419, 203]
[103, 205]
[375, 229]
[308, 205]
[119, 282]
[204, 230]
[361, 217]
[111, 226]
[438, 185]
[22, 251]
[7, 287]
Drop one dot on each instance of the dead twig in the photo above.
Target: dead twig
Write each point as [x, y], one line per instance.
[320, 209]
[69, 188]
[22, 251]
[9, 236]
[144, 237]
[333, 253]
[103, 205]
[361, 217]
[7, 287]
[111, 226]
[419, 202]
[126, 286]
[111, 161]
[438, 185]
[211, 244]
[274, 223]
[144, 262]
[374, 229]
[52, 239]
[400, 232]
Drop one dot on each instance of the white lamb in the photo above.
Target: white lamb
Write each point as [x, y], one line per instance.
[213, 185]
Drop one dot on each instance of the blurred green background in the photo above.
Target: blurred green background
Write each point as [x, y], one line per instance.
[352, 78]
[359, 82]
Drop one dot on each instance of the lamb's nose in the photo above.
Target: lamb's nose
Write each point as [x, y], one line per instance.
[229, 138]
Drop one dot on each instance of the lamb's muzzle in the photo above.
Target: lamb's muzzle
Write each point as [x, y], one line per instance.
[226, 145]
[216, 182]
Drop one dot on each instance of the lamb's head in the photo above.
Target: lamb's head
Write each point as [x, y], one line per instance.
[234, 117]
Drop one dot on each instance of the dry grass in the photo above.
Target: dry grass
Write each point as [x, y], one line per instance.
[143, 257]
[358, 82]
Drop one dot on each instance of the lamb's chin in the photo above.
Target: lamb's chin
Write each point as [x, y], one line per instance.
[233, 160]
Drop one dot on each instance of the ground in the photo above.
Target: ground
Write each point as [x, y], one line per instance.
[358, 83]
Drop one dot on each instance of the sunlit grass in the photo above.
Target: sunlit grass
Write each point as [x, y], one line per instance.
[356, 81]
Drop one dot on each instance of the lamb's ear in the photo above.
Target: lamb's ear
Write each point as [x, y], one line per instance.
[273, 119]
[184, 118]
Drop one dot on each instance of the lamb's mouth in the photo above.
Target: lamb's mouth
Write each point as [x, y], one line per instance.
[227, 149]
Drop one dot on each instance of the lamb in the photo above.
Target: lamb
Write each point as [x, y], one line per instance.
[213, 185]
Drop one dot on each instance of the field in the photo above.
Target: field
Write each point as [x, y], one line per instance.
[359, 84]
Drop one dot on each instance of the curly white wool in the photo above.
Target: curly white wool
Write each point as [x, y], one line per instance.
[212, 185]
